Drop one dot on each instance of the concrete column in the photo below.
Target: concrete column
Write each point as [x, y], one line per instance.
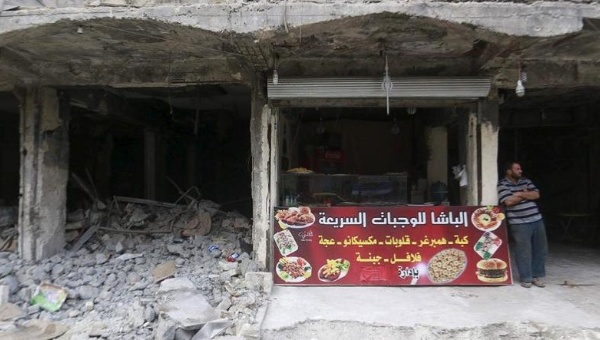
[192, 173]
[437, 166]
[259, 144]
[472, 165]
[489, 132]
[150, 164]
[44, 130]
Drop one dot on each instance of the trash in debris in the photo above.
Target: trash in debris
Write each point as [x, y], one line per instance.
[233, 257]
[49, 297]
[213, 248]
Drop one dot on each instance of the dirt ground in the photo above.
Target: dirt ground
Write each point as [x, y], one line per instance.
[567, 308]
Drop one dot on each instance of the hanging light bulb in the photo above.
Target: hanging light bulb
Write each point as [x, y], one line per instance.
[395, 130]
[275, 77]
[524, 76]
[520, 89]
[387, 86]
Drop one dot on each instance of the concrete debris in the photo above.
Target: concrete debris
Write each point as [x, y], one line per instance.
[189, 311]
[8, 216]
[36, 329]
[212, 329]
[10, 311]
[4, 294]
[176, 284]
[163, 285]
[164, 271]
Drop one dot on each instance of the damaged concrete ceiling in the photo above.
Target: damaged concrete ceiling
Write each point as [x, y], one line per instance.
[147, 53]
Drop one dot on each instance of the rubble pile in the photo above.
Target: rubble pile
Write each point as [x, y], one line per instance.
[139, 269]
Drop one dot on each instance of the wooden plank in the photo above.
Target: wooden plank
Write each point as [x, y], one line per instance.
[144, 201]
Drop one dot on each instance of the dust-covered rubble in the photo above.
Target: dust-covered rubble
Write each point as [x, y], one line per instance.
[145, 285]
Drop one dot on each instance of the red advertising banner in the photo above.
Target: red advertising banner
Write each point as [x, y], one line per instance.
[391, 246]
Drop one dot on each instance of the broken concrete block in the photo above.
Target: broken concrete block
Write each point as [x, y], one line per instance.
[88, 306]
[101, 258]
[4, 294]
[176, 284]
[6, 269]
[37, 329]
[228, 274]
[241, 223]
[166, 329]
[12, 283]
[226, 265]
[88, 292]
[188, 311]
[126, 257]
[248, 331]
[182, 334]
[76, 216]
[10, 311]
[136, 315]
[8, 216]
[111, 242]
[224, 304]
[248, 265]
[176, 249]
[149, 314]
[212, 329]
[119, 248]
[259, 280]
[74, 225]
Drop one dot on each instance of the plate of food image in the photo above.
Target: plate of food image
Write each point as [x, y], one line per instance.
[446, 266]
[487, 245]
[487, 218]
[293, 269]
[300, 217]
[333, 270]
[285, 242]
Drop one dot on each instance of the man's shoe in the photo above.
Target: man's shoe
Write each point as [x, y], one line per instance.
[526, 284]
[539, 282]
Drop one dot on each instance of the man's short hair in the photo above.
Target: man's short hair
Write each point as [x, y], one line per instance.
[508, 165]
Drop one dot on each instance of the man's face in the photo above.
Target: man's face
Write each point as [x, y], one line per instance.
[515, 171]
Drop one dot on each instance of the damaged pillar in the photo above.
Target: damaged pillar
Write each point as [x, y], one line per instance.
[44, 130]
[154, 164]
[259, 141]
[482, 153]
[150, 163]
[472, 165]
[489, 131]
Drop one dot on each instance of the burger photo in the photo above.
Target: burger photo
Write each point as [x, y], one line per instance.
[492, 270]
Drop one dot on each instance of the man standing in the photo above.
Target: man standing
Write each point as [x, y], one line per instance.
[518, 195]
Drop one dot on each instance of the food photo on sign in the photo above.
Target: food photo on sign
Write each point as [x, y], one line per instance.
[300, 217]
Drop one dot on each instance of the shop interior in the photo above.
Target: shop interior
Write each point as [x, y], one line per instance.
[364, 156]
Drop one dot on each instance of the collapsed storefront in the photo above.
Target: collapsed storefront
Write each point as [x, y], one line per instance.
[437, 130]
